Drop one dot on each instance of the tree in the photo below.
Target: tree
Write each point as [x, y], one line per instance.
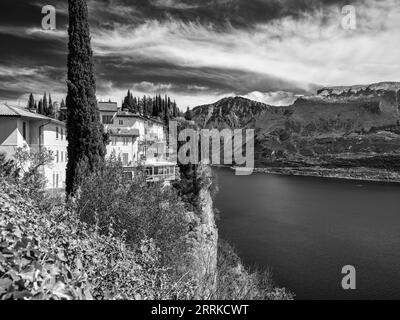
[155, 107]
[85, 133]
[166, 118]
[45, 105]
[40, 107]
[31, 102]
[62, 116]
[50, 108]
[144, 113]
[188, 114]
[174, 110]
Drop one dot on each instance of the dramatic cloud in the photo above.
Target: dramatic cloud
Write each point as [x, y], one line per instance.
[200, 51]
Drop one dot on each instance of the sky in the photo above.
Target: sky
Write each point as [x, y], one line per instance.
[199, 51]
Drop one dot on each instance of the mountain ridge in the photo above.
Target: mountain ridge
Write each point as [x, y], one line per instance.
[336, 123]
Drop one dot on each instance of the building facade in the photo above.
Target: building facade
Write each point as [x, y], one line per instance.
[134, 139]
[137, 140]
[20, 128]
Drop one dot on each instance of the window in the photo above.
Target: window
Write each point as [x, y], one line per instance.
[57, 133]
[126, 141]
[62, 156]
[121, 122]
[108, 120]
[114, 140]
[24, 130]
[62, 134]
[57, 180]
[57, 156]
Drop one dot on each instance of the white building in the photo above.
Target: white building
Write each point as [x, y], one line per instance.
[22, 128]
[136, 139]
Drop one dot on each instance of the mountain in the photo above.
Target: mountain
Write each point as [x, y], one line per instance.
[349, 126]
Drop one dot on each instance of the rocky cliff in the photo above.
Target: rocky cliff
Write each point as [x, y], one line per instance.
[338, 126]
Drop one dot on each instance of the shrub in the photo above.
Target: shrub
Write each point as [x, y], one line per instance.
[139, 209]
[52, 255]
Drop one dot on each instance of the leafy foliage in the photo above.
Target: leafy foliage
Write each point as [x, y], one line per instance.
[115, 240]
[49, 254]
[136, 207]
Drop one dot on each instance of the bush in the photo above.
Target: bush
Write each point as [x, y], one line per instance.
[137, 208]
[52, 255]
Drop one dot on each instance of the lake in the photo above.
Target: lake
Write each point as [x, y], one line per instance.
[306, 229]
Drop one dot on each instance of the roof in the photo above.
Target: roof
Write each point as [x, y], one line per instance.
[128, 114]
[125, 132]
[13, 111]
[107, 106]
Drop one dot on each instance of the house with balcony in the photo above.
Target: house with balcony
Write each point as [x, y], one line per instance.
[21, 128]
[137, 140]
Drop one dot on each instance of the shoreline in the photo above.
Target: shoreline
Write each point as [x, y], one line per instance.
[352, 174]
[361, 174]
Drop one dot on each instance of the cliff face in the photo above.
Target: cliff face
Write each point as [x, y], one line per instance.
[336, 123]
[203, 239]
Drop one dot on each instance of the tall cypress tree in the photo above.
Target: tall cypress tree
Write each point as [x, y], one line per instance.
[40, 107]
[85, 133]
[50, 108]
[31, 102]
[45, 105]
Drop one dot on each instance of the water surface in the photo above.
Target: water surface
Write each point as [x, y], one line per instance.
[306, 229]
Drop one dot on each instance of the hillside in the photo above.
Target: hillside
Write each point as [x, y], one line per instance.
[356, 126]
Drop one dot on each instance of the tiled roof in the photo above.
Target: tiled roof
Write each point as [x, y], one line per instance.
[125, 132]
[7, 111]
[107, 106]
[12, 111]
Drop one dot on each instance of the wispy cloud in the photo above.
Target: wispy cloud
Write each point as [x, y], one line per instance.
[311, 49]
[200, 51]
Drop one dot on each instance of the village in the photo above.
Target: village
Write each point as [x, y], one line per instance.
[135, 140]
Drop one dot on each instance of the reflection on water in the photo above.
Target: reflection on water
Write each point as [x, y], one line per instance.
[307, 229]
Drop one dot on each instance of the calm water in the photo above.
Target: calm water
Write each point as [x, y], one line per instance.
[306, 229]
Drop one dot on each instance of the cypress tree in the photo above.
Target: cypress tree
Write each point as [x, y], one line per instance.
[31, 102]
[175, 109]
[188, 114]
[85, 133]
[50, 108]
[40, 107]
[154, 111]
[125, 103]
[45, 105]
